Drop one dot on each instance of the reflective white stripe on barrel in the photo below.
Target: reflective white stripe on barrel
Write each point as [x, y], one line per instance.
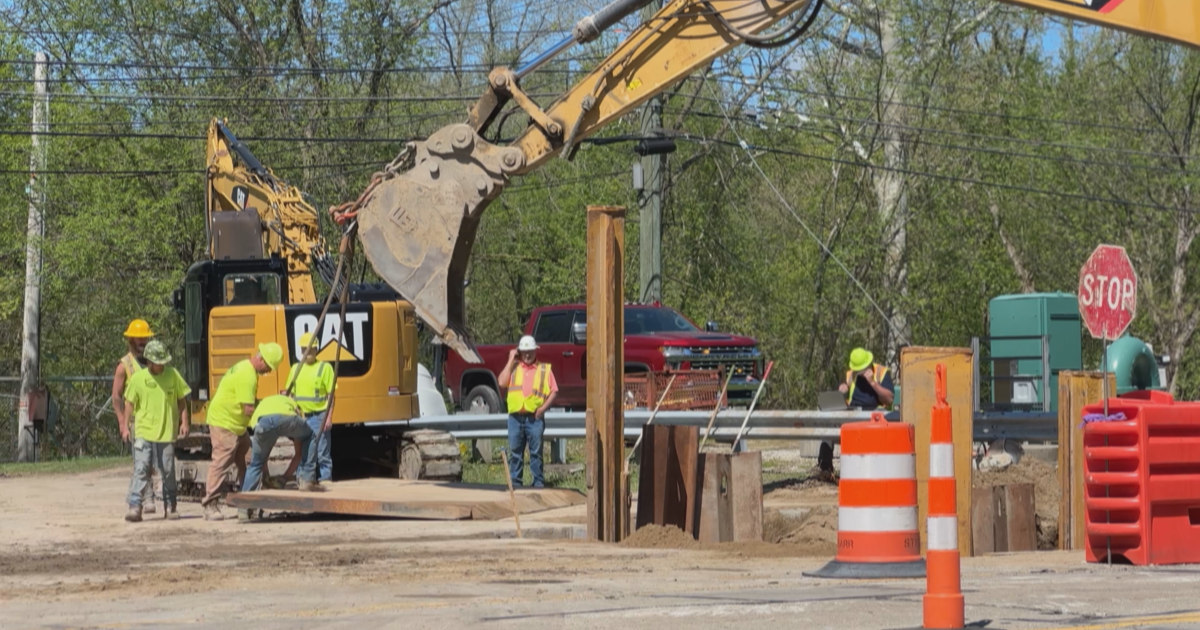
[941, 460]
[943, 533]
[877, 519]
[879, 466]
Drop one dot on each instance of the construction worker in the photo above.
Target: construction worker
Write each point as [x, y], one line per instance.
[868, 385]
[229, 414]
[137, 335]
[280, 416]
[310, 382]
[156, 401]
[531, 389]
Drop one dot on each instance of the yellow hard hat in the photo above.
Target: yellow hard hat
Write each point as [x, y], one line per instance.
[138, 328]
[306, 340]
[860, 359]
[272, 353]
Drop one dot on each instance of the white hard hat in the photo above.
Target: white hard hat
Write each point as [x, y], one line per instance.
[527, 344]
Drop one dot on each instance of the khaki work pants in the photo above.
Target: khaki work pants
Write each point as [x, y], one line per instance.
[228, 450]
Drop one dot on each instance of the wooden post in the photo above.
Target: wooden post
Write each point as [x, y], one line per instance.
[608, 509]
[917, 376]
[1075, 390]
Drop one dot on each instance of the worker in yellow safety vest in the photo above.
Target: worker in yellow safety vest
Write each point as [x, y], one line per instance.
[137, 335]
[868, 385]
[530, 390]
[310, 383]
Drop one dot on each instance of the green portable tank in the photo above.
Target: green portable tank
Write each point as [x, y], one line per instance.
[1033, 315]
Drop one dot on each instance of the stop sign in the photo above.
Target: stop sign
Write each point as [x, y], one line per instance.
[1107, 292]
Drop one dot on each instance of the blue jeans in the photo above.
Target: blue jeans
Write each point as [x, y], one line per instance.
[146, 457]
[522, 431]
[268, 431]
[323, 447]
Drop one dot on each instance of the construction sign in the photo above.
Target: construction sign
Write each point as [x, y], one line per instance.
[347, 342]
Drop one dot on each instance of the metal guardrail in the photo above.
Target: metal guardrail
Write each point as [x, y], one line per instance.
[764, 424]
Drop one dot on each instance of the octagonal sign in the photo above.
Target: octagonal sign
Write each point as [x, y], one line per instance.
[1107, 292]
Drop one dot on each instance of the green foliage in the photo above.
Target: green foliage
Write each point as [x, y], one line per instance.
[1017, 145]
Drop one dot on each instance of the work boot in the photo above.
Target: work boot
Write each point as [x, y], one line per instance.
[149, 508]
[170, 512]
[213, 513]
[305, 485]
[134, 515]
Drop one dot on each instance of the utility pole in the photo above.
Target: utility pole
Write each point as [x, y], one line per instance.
[650, 197]
[30, 337]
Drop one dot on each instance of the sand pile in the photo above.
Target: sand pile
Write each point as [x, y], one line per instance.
[660, 537]
[804, 532]
[1044, 478]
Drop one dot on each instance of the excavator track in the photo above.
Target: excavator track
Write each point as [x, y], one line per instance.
[428, 454]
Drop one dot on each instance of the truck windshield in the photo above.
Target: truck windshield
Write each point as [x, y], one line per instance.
[643, 320]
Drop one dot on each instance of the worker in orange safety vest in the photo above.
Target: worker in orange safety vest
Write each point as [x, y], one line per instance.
[530, 391]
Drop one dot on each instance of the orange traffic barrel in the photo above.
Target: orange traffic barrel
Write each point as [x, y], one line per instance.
[877, 503]
[943, 605]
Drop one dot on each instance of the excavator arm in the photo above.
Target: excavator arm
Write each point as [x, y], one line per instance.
[418, 227]
[250, 213]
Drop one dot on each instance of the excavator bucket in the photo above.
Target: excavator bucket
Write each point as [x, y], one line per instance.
[418, 227]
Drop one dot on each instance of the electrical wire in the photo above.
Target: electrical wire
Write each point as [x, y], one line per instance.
[965, 134]
[936, 108]
[990, 150]
[824, 247]
[938, 176]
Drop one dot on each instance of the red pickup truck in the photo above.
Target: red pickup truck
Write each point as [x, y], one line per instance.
[656, 338]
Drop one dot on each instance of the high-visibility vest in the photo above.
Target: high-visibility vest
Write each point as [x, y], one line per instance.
[879, 372]
[307, 391]
[517, 402]
[131, 365]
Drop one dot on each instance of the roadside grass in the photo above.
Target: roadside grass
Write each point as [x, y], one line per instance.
[557, 475]
[64, 466]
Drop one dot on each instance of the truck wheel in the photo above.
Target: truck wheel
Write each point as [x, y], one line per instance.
[482, 399]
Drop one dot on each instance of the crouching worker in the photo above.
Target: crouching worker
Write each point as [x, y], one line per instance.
[156, 401]
[275, 417]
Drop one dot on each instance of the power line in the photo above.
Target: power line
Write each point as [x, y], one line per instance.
[172, 171]
[964, 134]
[991, 150]
[939, 108]
[938, 176]
[824, 247]
[276, 70]
[258, 99]
[177, 136]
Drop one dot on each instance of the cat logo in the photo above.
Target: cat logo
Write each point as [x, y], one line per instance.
[1101, 6]
[349, 345]
[241, 197]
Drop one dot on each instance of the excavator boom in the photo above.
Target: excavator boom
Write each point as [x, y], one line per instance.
[251, 214]
[418, 227]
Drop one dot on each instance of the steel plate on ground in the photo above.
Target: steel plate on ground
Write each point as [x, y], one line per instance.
[398, 498]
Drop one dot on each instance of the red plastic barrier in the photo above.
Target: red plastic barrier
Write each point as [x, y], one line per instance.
[1142, 480]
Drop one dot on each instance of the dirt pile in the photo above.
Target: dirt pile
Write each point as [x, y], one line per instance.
[660, 537]
[793, 533]
[1044, 478]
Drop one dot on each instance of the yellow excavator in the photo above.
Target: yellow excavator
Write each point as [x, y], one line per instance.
[264, 243]
[418, 218]
[417, 227]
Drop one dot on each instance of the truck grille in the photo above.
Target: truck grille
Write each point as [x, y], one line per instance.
[743, 361]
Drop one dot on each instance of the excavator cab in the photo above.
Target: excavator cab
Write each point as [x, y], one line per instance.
[213, 283]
